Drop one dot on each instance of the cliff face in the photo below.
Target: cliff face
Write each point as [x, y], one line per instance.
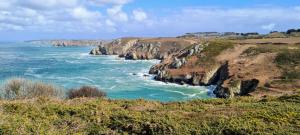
[65, 43]
[138, 48]
[194, 65]
[236, 70]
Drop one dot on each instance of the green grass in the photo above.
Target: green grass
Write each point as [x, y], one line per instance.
[102, 116]
[253, 51]
[212, 50]
[288, 58]
[289, 61]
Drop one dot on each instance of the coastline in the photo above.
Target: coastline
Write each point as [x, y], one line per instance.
[72, 67]
[220, 62]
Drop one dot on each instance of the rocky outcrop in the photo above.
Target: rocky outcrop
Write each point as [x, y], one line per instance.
[66, 43]
[236, 88]
[232, 73]
[213, 76]
[116, 47]
[144, 51]
[176, 62]
[137, 48]
[99, 50]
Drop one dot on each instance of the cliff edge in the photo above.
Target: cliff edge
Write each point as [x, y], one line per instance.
[236, 67]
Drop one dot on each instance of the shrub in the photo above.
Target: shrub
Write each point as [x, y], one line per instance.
[289, 61]
[85, 91]
[291, 58]
[20, 88]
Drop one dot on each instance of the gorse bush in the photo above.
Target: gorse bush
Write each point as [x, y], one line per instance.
[86, 116]
[19, 88]
[85, 91]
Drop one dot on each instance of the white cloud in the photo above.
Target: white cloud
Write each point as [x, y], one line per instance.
[4, 26]
[4, 4]
[84, 14]
[109, 23]
[113, 2]
[48, 15]
[117, 14]
[268, 27]
[47, 4]
[75, 16]
[226, 19]
[139, 15]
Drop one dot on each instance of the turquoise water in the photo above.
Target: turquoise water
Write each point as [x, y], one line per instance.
[72, 67]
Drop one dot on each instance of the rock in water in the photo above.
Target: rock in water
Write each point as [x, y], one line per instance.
[131, 56]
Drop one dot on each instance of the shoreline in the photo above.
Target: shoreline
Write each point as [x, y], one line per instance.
[234, 67]
[37, 72]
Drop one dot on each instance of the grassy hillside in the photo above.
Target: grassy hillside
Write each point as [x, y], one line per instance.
[102, 116]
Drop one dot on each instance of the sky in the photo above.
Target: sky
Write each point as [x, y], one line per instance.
[108, 19]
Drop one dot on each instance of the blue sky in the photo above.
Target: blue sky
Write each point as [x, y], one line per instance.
[107, 19]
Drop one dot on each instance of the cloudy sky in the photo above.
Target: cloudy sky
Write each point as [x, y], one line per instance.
[106, 19]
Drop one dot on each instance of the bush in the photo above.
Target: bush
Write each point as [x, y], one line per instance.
[85, 91]
[288, 58]
[288, 61]
[20, 88]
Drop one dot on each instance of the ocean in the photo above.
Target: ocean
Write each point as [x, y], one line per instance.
[72, 67]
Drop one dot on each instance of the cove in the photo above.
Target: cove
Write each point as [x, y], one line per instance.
[72, 67]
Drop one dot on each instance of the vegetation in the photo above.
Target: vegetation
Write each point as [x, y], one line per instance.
[252, 51]
[101, 116]
[289, 61]
[268, 48]
[85, 91]
[290, 31]
[213, 49]
[287, 58]
[19, 88]
[32, 109]
[290, 58]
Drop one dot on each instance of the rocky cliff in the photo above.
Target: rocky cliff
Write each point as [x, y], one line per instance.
[236, 69]
[139, 48]
[64, 43]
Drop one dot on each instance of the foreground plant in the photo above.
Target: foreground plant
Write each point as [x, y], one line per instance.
[236, 116]
[85, 91]
[20, 88]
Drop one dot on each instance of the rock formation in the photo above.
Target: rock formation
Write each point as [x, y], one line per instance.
[138, 48]
[65, 43]
[219, 63]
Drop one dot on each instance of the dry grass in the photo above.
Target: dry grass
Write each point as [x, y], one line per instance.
[290, 40]
[20, 88]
